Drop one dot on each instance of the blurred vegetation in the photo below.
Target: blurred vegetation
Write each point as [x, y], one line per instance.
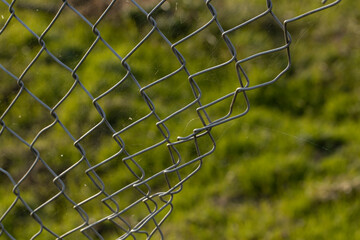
[289, 169]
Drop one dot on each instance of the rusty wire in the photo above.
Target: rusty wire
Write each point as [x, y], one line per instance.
[157, 203]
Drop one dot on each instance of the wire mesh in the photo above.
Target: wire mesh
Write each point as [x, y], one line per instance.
[51, 170]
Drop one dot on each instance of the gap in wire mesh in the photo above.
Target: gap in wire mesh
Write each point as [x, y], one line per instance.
[260, 35]
[27, 117]
[61, 157]
[21, 46]
[84, 111]
[265, 68]
[124, 40]
[142, 135]
[177, 19]
[69, 37]
[101, 70]
[178, 95]
[96, 153]
[48, 80]
[205, 49]
[243, 10]
[124, 105]
[35, 14]
[147, 65]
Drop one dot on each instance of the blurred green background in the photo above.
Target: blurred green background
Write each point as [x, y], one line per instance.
[289, 169]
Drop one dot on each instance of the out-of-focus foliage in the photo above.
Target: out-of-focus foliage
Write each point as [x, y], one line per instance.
[289, 169]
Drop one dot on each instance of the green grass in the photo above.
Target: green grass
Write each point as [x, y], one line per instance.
[289, 169]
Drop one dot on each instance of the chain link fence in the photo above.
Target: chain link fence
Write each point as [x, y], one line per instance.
[96, 138]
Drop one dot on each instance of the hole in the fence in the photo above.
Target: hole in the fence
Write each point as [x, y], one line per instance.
[95, 152]
[48, 80]
[147, 62]
[21, 47]
[69, 38]
[78, 118]
[124, 105]
[231, 15]
[81, 187]
[61, 157]
[112, 30]
[101, 70]
[171, 94]
[261, 35]
[148, 5]
[265, 68]
[27, 117]
[205, 49]
[177, 19]
[142, 135]
[36, 15]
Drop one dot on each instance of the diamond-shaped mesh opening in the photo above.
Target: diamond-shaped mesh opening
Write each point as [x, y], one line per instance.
[106, 66]
[48, 80]
[69, 25]
[21, 47]
[84, 109]
[257, 36]
[27, 116]
[37, 15]
[211, 49]
[147, 66]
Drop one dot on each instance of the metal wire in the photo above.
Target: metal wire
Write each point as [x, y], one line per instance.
[156, 203]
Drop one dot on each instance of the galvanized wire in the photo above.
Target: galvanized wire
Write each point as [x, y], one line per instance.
[157, 203]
